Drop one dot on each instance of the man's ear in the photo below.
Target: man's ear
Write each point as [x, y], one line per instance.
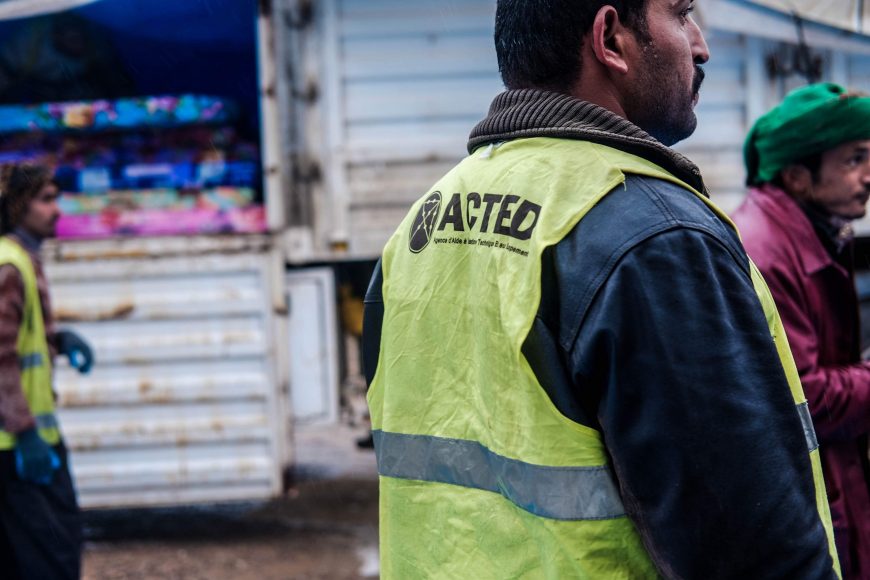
[609, 39]
[797, 180]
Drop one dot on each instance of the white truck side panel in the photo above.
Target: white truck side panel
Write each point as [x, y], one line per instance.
[312, 349]
[400, 86]
[184, 403]
[405, 82]
[722, 111]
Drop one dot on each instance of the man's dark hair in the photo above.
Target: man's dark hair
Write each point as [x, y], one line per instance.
[19, 184]
[538, 41]
[812, 162]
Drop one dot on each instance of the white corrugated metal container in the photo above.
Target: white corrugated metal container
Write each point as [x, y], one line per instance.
[312, 350]
[185, 402]
[403, 84]
[716, 145]
[400, 86]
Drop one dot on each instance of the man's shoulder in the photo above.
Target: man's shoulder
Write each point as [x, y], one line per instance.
[768, 240]
[646, 206]
[14, 250]
[11, 282]
[636, 214]
[11, 274]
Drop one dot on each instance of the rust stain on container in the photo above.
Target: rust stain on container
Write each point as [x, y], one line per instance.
[208, 245]
[130, 429]
[237, 337]
[84, 445]
[76, 397]
[123, 310]
[161, 398]
[71, 256]
[148, 393]
[246, 468]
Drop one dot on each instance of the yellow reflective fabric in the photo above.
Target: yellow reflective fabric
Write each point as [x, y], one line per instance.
[461, 289]
[778, 332]
[32, 346]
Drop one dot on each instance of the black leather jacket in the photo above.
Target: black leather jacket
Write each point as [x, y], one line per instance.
[650, 331]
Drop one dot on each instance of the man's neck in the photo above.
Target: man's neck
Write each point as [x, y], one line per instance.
[598, 90]
[835, 232]
[30, 241]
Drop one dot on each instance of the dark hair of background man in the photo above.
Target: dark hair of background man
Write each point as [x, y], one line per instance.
[18, 185]
[813, 163]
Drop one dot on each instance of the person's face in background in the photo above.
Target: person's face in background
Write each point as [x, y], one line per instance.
[663, 90]
[841, 186]
[43, 212]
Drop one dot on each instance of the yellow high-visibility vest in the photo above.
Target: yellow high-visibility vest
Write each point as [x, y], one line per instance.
[33, 355]
[480, 475]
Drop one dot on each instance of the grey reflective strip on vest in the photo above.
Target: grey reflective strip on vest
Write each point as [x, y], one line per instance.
[562, 493]
[46, 421]
[29, 361]
[807, 422]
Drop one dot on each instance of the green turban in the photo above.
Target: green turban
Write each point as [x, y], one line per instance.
[810, 120]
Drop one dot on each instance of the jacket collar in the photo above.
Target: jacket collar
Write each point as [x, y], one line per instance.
[536, 113]
[26, 240]
[785, 210]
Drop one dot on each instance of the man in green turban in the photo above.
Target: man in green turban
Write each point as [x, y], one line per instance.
[808, 170]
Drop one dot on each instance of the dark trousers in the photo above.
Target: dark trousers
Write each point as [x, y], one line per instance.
[40, 526]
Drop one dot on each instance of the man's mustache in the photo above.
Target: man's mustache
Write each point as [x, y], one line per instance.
[699, 78]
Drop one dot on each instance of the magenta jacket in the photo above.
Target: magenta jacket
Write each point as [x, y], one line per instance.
[816, 299]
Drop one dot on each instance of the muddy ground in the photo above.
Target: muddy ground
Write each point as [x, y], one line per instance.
[321, 530]
[324, 528]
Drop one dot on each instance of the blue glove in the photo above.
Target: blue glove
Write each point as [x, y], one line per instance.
[35, 460]
[78, 352]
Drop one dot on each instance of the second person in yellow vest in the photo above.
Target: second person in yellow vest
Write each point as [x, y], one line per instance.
[40, 531]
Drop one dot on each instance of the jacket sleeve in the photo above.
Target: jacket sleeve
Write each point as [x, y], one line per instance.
[839, 396]
[696, 413]
[14, 410]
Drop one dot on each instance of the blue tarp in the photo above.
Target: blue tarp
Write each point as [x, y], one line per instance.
[168, 47]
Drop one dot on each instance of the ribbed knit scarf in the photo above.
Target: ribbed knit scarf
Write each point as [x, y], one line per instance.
[535, 113]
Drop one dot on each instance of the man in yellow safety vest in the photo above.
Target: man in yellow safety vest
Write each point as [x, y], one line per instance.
[575, 370]
[40, 532]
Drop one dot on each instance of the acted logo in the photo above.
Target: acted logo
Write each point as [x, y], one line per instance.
[487, 220]
[424, 223]
[503, 215]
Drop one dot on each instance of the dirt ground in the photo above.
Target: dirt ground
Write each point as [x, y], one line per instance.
[325, 528]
